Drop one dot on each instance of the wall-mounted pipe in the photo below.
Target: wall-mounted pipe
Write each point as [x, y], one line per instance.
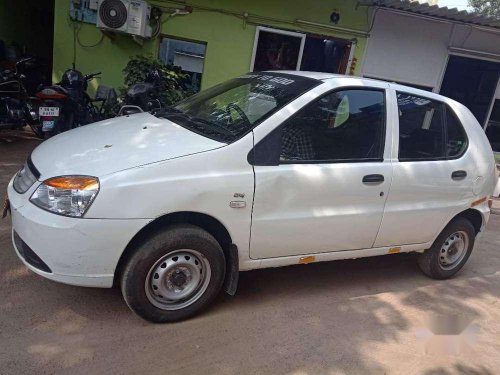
[344, 30]
[255, 18]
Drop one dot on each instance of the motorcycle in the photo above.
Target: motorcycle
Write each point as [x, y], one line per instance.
[67, 105]
[143, 96]
[17, 108]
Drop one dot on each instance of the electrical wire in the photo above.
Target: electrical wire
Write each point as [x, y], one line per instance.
[87, 45]
[372, 21]
[74, 44]
[249, 17]
[157, 29]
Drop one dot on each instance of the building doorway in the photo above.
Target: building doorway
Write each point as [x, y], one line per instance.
[493, 124]
[27, 30]
[473, 83]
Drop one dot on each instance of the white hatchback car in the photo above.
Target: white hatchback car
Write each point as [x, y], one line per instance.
[266, 170]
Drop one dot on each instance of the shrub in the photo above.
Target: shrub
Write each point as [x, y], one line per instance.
[172, 89]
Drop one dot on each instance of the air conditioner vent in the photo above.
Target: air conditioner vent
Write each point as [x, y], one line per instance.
[113, 13]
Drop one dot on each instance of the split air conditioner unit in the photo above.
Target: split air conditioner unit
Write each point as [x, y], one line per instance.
[124, 16]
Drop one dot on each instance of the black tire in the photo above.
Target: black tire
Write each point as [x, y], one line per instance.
[429, 261]
[37, 130]
[174, 238]
[47, 135]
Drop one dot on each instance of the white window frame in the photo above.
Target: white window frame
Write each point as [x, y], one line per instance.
[282, 32]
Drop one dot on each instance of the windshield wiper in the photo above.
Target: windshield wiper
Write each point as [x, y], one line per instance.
[202, 126]
[161, 112]
[219, 129]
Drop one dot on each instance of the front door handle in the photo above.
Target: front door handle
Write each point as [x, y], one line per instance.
[458, 175]
[373, 178]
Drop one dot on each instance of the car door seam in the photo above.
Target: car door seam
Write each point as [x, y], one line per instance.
[253, 203]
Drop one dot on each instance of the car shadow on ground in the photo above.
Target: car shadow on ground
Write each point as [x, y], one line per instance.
[299, 319]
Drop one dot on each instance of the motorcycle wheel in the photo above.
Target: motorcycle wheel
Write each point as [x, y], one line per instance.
[37, 130]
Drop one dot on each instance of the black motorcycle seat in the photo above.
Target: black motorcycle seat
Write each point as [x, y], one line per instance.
[140, 89]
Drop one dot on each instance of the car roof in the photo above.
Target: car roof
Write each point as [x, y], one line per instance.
[396, 86]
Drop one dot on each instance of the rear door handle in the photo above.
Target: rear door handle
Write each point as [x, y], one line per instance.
[373, 178]
[458, 175]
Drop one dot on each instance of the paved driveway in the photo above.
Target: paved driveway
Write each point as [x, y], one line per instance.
[361, 316]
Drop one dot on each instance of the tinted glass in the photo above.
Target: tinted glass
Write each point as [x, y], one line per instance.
[342, 126]
[227, 111]
[456, 141]
[421, 131]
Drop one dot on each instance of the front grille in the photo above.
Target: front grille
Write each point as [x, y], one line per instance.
[29, 255]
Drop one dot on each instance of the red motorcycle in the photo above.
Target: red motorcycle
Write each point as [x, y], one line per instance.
[67, 105]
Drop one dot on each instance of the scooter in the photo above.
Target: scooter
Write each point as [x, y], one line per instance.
[17, 108]
[143, 96]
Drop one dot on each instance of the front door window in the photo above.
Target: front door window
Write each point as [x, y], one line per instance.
[342, 126]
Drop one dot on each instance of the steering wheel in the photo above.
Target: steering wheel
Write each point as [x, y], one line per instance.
[240, 112]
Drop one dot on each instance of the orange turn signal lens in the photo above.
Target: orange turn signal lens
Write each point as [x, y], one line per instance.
[73, 182]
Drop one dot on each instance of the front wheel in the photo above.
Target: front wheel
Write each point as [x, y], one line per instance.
[173, 275]
[37, 131]
[450, 251]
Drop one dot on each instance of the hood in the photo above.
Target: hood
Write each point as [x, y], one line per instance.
[116, 144]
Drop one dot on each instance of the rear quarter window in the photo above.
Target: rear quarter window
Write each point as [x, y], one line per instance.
[456, 143]
[428, 130]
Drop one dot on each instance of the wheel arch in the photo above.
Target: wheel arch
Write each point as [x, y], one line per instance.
[202, 220]
[474, 216]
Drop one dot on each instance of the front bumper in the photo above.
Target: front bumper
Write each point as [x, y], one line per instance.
[82, 252]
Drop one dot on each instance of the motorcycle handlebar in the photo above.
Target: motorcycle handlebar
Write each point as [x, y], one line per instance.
[22, 61]
[91, 76]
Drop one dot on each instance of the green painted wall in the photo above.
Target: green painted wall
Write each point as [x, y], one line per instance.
[229, 39]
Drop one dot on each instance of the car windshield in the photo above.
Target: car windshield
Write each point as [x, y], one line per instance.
[228, 111]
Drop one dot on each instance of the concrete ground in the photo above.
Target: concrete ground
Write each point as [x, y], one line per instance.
[365, 316]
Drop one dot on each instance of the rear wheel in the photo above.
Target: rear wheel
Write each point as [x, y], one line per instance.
[174, 275]
[450, 251]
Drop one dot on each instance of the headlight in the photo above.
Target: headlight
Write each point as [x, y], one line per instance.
[24, 180]
[68, 195]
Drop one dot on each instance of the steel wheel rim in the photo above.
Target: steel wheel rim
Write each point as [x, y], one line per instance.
[453, 250]
[178, 279]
